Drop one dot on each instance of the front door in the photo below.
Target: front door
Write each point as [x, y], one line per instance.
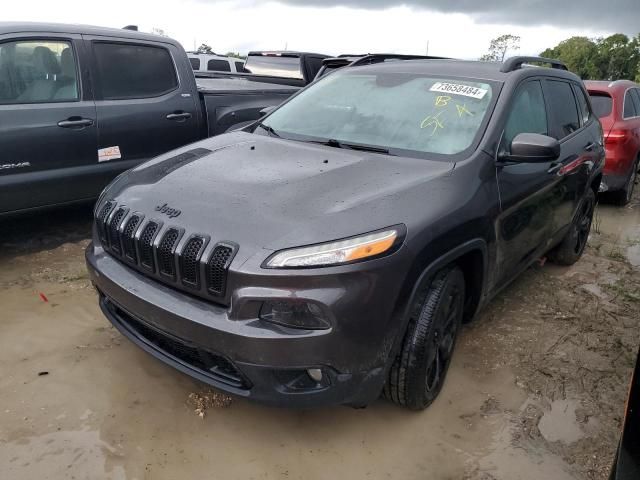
[47, 121]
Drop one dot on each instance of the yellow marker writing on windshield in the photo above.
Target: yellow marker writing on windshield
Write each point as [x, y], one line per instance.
[442, 100]
[462, 110]
[432, 121]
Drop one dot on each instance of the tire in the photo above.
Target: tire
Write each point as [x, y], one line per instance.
[573, 244]
[623, 197]
[418, 372]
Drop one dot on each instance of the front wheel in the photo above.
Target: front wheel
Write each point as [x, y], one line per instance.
[419, 370]
[573, 244]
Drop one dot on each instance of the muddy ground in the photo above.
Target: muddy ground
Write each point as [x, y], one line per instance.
[536, 389]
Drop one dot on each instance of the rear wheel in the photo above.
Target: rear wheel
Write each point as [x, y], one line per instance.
[623, 197]
[573, 244]
[419, 370]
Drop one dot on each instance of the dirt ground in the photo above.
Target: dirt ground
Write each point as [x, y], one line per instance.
[536, 389]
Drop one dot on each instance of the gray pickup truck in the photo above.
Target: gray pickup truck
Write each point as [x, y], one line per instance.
[79, 105]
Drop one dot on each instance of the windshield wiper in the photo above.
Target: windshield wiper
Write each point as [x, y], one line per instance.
[269, 130]
[353, 146]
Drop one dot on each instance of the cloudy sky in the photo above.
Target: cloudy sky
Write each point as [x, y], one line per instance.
[456, 28]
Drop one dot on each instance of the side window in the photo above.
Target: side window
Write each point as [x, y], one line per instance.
[528, 113]
[564, 111]
[133, 71]
[218, 66]
[240, 67]
[195, 63]
[629, 106]
[583, 105]
[37, 71]
[635, 94]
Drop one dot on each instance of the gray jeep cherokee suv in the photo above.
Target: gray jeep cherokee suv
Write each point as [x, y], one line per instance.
[330, 252]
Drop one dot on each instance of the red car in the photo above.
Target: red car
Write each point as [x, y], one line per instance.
[617, 104]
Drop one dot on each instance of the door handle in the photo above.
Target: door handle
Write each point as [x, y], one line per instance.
[590, 147]
[178, 116]
[555, 167]
[75, 122]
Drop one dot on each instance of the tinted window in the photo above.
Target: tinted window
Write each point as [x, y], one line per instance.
[583, 105]
[406, 113]
[629, 106]
[601, 103]
[38, 71]
[275, 65]
[564, 111]
[240, 66]
[528, 113]
[134, 71]
[635, 94]
[218, 66]
[195, 63]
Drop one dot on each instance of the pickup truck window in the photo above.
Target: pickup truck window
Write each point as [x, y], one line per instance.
[275, 65]
[218, 66]
[37, 71]
[133, 71]
[409, 113]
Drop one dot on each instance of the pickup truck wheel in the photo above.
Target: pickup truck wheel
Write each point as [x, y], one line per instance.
[419, 370]
[623, 197]
[573, 244]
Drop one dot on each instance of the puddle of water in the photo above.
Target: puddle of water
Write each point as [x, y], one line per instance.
[559, 423]
[623, 223]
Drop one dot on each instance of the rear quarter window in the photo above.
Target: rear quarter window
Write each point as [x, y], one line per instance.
[195, 63]
[602, 103]
[215, 65]
[134, 71]
[629, 106]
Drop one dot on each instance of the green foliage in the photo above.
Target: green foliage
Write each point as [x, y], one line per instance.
[499, 46]
[204, 48]
[611, 58]
[236, 55]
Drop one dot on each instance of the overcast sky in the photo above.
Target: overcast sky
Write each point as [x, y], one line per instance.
[456, 28]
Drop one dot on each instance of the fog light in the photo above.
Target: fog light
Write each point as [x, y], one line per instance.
[315, 374]
[294, 314]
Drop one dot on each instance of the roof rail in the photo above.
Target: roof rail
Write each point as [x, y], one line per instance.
[381, 57]
[515, 63]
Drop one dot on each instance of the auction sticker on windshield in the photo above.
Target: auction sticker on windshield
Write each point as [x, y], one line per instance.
[459, 89]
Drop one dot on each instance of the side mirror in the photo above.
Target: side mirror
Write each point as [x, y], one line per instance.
[267, 110]
[533, 148]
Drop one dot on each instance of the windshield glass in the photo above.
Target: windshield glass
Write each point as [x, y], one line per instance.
[395, 111]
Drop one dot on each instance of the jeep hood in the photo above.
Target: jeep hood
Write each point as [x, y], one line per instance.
[268, 193]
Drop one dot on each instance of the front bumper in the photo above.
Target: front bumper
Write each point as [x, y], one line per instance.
[252, 358]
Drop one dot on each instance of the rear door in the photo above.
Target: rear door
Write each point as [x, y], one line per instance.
[144, 108]
[47, 122]
[572, 124]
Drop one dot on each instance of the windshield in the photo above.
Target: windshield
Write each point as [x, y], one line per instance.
[395, 111]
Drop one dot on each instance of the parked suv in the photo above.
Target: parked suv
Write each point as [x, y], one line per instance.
[330, 252]
[617, 104]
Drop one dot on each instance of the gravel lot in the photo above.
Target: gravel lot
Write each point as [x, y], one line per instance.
[536, 388]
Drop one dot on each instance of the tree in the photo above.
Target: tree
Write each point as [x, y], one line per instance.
[580, 54]
[618, 57]
[204, 48]
[159, 31]
[236, 55]
[499, 47]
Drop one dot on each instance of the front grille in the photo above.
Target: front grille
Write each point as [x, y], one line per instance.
[113, 231]
[217, 270]
[166, 259]
[102, 220]
[145, 245]
[158, 251]
[208, 363]
[190, 261]
[128, 238]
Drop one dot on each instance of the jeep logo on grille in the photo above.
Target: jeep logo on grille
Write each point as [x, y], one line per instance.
[167, 210]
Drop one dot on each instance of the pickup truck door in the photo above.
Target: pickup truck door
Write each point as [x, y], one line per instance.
[529, 192]
[146, 98]
[47, 122]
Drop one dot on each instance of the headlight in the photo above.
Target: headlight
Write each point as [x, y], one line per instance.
[339, 252]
